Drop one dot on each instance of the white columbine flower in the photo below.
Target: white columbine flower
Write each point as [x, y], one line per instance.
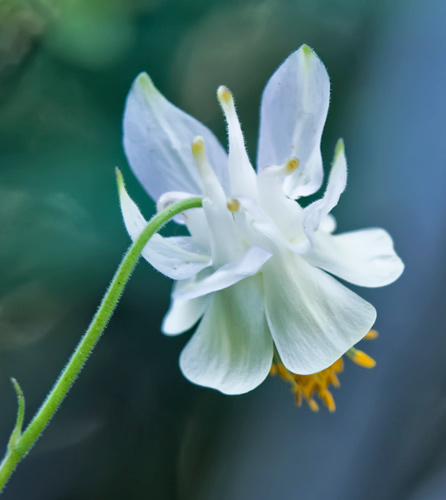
[257, 266]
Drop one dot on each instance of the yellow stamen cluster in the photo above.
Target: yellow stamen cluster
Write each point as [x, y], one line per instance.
[307, 386]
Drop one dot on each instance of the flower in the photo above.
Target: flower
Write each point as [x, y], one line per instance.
[257, 267]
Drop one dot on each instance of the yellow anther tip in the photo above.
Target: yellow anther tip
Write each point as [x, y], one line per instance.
[224, 94]
[233, 205]
[363, 359]
[292, 164]
[197, 145]
[371, 335]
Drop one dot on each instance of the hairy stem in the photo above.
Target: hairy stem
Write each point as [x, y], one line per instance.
[21, 445]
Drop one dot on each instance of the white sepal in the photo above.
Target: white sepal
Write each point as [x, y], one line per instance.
[157, 139]
[293, 113]
[178, 257]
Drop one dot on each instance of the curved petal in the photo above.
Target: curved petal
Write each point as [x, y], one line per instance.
[225, 276]
[364, 258]
[337, 181]
[183, 314]
[232, 350]
[293, 113]
[157, 142]
[178, 257]
[313, 318]
[242, 176]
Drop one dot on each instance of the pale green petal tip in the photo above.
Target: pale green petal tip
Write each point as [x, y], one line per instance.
[307, 50]
[144, 82]
[339, 149]
[120, 181]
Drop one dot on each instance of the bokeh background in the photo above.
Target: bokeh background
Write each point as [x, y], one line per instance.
[132, 427]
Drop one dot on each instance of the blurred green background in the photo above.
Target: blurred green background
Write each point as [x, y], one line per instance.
[132, 427]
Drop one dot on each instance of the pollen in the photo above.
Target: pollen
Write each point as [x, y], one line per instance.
[291, 165]
[233, 205]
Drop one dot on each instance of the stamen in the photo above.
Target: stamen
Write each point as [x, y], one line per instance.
[306, 386]
[360, 358]
[233, 205]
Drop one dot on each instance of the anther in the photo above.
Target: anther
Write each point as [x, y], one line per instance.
[197, 146]
[291, 165]
[371, 335]
[224, 95]
[361, 358]
[233, 205]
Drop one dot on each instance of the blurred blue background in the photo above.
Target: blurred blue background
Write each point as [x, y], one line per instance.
[132, 427]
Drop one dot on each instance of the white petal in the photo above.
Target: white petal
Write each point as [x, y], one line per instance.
[364, 258]
[241, 174]
[183, 314]
[157, 142]
[225, 276]
[178, 257]
[293, 112]
[337, 181]
[313, 319]
[232, 350]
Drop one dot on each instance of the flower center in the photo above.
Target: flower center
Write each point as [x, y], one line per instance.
[307, 386]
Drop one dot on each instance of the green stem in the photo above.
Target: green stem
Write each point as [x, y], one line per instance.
[23, 444]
